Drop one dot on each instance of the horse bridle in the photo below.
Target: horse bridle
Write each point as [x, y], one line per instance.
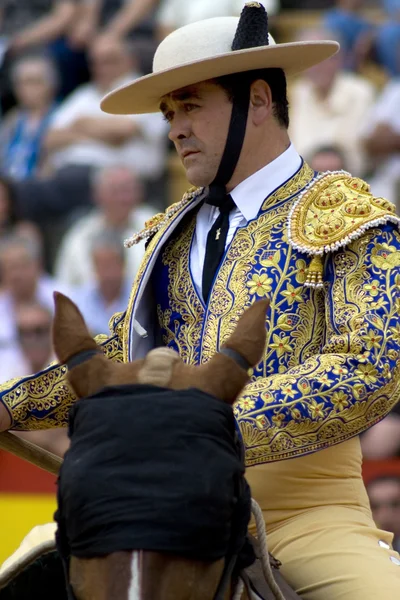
[232, 559]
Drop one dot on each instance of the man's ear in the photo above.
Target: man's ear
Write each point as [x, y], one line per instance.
[261, 105]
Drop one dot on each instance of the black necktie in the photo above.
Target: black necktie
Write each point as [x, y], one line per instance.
[216, 240]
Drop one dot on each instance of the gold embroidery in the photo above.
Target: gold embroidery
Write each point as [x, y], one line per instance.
[351, 382]
[172, 214]
[183, 298]
[334, 210]
[43, 401]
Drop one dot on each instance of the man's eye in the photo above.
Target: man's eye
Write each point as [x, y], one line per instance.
[190, 107]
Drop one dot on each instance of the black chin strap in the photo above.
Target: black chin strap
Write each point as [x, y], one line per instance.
[233, 146]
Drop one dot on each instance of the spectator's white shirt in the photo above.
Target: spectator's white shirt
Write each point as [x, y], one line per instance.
[74, 265]
[337, 120]
[96, 312]
[177, 13]
[385, 181]
[145, 153]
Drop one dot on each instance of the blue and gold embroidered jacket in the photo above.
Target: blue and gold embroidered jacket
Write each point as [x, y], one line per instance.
[328, 255]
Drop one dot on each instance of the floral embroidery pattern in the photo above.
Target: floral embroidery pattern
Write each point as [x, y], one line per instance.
[260, 285]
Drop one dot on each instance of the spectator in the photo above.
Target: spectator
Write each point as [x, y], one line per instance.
[384, 495]
[119, 18]
[382, 441]
[110, 291]
[81, 134]
[48, 205]
[327, 158]
[35, 82]
[176, 13]
[330, 107]
[382, 142]
[355, 32]
[387, 42]
[9, 222]
[118, 198]
[32, 24]
[33, 323]
[23, 281]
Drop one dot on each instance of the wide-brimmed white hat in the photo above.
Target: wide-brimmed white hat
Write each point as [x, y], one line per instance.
[202, 51]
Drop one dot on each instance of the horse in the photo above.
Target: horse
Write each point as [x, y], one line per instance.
[130, 574]
[145, 573]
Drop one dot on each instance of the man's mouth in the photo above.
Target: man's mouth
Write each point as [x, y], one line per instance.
[187, 153]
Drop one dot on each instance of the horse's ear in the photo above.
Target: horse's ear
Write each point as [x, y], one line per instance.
[70, 334]
[249, 337]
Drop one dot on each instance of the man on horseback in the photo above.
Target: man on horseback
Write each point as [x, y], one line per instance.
[262, 223]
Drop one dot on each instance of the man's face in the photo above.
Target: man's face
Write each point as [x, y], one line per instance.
[384, 496]
[118, 194]
[20, 272]
[32, 87]
[34, 333]
[199, 117]
[108, 266]
[107, 61]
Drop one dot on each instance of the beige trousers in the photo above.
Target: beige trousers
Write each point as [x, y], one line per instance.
[319, 525]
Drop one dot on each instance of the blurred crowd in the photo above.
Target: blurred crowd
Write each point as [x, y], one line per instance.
[75, 182]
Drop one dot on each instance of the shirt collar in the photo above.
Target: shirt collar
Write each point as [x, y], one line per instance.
[250, 194]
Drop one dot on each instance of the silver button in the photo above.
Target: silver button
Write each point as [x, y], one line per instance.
[395, 560]
[384, 544]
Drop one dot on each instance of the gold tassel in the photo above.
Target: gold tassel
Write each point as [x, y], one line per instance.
[315, 272]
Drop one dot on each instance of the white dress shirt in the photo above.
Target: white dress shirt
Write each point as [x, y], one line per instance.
[248, 196]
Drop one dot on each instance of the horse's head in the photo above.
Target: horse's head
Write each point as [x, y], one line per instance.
[150, 488]
[223, 376]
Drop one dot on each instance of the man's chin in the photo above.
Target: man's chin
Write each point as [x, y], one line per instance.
[197, 177]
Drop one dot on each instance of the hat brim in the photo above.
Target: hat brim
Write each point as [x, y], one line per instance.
[144, 94]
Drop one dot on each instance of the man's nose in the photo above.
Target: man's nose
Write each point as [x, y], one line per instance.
[180, 128]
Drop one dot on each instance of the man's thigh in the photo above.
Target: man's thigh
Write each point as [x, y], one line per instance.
[337, 554]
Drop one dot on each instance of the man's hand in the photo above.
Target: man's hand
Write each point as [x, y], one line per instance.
[82, 34]
[383, 141]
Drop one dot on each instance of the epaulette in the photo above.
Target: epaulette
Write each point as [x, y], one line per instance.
[160, 220]
[333, 210]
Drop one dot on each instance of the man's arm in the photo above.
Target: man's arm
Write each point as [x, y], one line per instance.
[46, 29]
[114, 131]
[43, 400]
[129, 16]
[354, 381]
[382, 141]
[86, 23]
[58, 138]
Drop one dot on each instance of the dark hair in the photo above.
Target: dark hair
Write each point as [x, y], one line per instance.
[275, 78]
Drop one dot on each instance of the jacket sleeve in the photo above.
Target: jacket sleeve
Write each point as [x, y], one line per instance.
[354, 381]
[43, 400]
